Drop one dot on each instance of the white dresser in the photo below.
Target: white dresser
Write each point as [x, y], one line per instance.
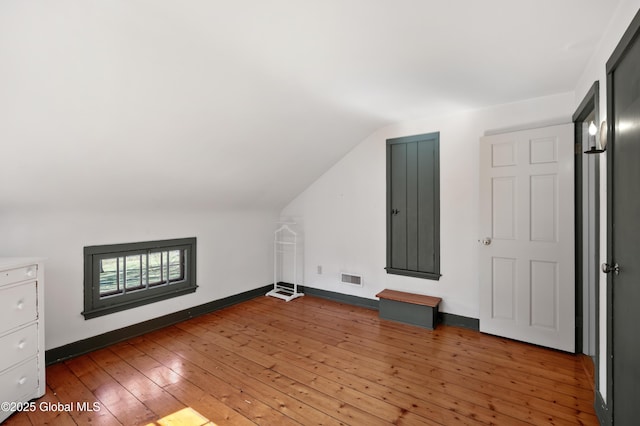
[21, 331]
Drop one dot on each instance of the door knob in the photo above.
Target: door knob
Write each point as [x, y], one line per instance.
[485, 241]
[606, 268]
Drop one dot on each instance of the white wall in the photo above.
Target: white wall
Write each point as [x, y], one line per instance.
[234, 255]
[343, 213]
[596, 70]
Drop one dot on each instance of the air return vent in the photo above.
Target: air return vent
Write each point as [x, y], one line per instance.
[351, 279]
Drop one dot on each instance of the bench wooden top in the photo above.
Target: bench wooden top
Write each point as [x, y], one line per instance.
[416, 299]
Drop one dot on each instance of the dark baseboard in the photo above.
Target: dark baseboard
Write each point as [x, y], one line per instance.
[459, 321]
[81, 347]
[84, 346]
[339, 297]
[602, 411]
[443, 317]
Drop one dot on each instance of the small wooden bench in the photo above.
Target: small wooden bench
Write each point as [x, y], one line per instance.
[409, 308]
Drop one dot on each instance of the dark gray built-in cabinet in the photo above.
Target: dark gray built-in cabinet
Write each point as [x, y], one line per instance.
[413, 206]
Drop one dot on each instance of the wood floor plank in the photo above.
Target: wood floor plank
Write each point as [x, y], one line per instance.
[289, 407]
[226, 393]
[485, 413]
[369, 317]
[18, 419]
[155, 371]
[326, 385]
[409, 404]
[69, 389]
[212, 408]
[259, 365]
[511, 405]
[45, 412]
[316, 362]
[111, 394]
[381, 395]
[567, 372]
[49, 415]
[559, 411]
[156, 399]
[448, 357]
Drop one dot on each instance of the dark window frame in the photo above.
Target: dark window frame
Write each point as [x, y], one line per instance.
[435, 273]
[97, 304]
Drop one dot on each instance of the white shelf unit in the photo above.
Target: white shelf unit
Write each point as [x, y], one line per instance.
[285, 242]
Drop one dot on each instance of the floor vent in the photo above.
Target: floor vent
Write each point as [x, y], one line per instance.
[352, 279]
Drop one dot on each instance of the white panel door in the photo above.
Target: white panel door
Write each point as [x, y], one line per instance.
[527, 284]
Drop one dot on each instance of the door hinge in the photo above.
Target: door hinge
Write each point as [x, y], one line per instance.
[577, 148]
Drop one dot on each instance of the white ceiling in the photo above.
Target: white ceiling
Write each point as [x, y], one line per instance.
[244, 103]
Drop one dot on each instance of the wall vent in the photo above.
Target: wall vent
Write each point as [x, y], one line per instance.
[351, 279]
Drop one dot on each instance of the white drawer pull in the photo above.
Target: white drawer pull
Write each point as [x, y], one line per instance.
[22, 381]
[22, 344]
[31, 272]
[20, 304]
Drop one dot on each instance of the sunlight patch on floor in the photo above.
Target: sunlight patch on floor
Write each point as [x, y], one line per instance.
[185, 417]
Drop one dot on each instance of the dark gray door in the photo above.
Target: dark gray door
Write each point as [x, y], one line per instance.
[413, 204]
[623, 77]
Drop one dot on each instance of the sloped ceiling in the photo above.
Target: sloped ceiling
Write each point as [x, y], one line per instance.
[244, 103]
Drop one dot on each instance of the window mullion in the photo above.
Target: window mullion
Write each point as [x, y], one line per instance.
[146, 285]
[124, 275]
[168, 269]
[118, 274]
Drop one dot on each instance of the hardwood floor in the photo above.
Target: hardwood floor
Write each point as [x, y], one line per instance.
[312, 361]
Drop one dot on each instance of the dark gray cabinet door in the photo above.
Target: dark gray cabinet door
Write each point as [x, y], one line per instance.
[413, 206]
[428, 208]
[398, 213]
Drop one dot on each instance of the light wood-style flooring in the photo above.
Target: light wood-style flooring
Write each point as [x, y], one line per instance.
[312, 361]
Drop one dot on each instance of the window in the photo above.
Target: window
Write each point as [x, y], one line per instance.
[413, 206]
[124, 276]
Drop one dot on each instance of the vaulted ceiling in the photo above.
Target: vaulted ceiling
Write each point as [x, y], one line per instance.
[244, 103]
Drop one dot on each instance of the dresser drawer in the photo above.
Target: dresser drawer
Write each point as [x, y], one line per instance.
[19, 382]
[24, 273]
[18, 305]
[18, 346]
